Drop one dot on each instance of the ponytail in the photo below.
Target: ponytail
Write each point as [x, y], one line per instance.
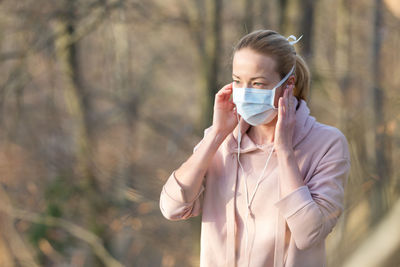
[302, 85]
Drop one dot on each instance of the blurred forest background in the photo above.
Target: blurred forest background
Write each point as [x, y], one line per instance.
[101, 100]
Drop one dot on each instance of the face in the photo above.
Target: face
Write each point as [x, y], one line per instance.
[253, 70]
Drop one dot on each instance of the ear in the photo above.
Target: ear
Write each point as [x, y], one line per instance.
[291, 81]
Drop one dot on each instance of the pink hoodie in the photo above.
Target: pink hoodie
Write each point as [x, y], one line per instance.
[287, 231]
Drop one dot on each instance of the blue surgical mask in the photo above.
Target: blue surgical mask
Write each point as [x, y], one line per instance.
[256, 106]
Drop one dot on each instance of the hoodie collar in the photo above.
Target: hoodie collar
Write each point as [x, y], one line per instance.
[304, 123]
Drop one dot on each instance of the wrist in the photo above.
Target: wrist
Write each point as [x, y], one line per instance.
[219, 135]
[220, 132]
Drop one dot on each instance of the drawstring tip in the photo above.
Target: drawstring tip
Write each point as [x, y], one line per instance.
[249, 212]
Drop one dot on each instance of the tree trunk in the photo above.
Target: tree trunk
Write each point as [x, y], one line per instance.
[79, 106]
[123, 88]
[211, 62]
[343, 65]
[77, 100]
[282, 15]
[306, 28]
[378, 198]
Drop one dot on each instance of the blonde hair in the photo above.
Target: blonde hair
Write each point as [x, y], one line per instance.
[271, 43]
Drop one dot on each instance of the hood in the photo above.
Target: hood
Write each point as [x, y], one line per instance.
[304, 123]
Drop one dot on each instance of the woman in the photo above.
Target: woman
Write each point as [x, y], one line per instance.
[267, 177]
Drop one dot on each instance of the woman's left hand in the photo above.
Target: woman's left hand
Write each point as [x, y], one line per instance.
[286, 121]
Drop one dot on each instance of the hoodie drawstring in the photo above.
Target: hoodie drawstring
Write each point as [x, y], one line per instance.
[259, 180]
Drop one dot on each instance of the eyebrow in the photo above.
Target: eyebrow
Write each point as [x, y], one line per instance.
[258, 77]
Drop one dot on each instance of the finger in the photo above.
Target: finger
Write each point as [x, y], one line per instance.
[235, 112]
[292, 98]
[289, 99]
[227, 93]
[224, 93]
[285, 102]
[225, 89]
[280, 108]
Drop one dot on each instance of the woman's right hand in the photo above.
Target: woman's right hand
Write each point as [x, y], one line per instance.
[224, 118]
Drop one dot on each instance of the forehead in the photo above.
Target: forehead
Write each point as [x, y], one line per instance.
[247, 62]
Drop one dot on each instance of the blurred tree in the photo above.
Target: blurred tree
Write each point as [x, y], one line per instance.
[76, 96]
[381, 247]
[379, 204]
[205, 28]
[269, 16]
[306, 27]
[283, 9]
[248, 21]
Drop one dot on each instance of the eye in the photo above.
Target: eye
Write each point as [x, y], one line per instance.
[236, 82]
[258, 84]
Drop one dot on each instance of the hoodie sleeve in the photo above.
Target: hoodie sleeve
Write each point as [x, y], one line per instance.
[173, 204]
[312, 210]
